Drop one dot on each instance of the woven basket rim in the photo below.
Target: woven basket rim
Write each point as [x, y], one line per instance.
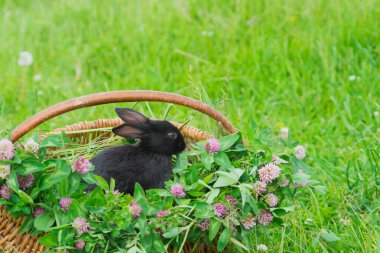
[189, 132]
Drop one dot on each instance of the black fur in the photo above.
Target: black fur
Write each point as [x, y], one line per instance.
[148, 162]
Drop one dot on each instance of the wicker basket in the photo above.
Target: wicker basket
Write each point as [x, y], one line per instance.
[11, 240]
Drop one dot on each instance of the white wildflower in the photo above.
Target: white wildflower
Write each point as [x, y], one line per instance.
[4, 171]
[284, 133]
[31, 146]
[300, 152]
[352, 78]
[25, 59]
[37, 77]
[262, 247]
[345, 221]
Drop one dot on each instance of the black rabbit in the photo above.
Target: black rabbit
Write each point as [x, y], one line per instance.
[149, 161]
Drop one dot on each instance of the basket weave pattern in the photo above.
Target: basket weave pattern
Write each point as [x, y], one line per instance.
[99, 125]
[11, 240]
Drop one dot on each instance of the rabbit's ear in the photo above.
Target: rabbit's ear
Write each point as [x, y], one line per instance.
[130, 116]
[128, 131]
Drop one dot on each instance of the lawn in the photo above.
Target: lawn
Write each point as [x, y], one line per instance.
[311, 66]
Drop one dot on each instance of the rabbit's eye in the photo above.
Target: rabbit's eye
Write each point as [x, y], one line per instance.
[172, 135]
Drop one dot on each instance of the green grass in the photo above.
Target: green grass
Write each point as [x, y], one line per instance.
[277, 63]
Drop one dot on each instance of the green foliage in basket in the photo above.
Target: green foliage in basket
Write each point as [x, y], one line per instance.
[221, 191]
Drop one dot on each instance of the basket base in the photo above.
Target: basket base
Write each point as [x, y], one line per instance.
[11, 240]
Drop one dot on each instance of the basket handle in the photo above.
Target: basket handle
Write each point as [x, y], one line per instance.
[115, 97]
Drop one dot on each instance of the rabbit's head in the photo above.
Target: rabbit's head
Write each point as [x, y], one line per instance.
[158, 136]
